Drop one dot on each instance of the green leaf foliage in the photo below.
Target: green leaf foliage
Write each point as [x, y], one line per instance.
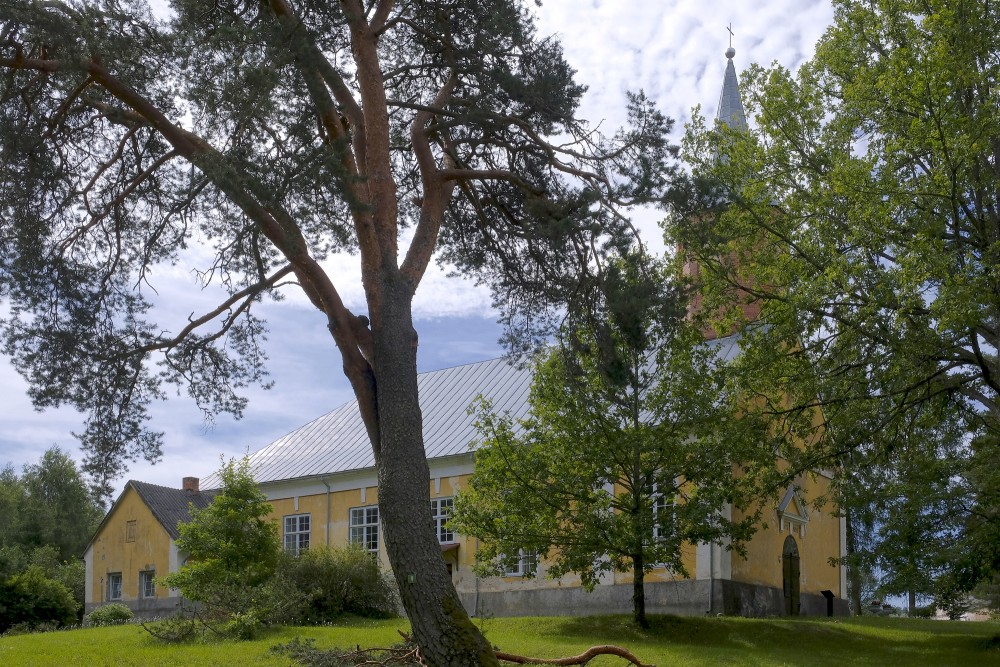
[32, 599]
[233, 548]
[630, 409]
[331, 582]
[115, 613]
[861, 210]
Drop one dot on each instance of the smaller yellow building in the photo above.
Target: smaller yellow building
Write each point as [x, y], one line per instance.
[136, 543]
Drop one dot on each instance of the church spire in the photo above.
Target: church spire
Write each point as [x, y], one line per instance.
[730, 105]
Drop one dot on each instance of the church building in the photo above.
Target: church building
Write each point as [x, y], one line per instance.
[321, 482]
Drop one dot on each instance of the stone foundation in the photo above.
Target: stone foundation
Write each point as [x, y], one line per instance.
[146, 608]
[686, 598]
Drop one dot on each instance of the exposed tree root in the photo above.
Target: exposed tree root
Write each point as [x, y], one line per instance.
[582, 659]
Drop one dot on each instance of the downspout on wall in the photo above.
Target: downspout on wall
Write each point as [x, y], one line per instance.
[475, 599]
[711, 577]
[327, 531]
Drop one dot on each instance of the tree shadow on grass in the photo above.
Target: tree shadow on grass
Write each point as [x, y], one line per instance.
[822, 640]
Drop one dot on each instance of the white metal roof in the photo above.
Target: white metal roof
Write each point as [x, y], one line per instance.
[338, 442]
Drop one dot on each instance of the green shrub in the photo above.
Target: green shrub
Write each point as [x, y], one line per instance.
[110, 614]
[335, 581]
[31, 600]
[233, 547]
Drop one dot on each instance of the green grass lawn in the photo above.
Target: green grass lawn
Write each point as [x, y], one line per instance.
[670, 642]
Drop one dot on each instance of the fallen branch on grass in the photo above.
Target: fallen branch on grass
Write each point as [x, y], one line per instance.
[582, 659]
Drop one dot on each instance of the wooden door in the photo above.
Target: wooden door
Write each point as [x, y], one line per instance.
[790, 576]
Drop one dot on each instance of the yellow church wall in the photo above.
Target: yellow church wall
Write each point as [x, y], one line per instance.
[331, 528]
[149, 551]
[761, 566]
[461, 559]
[817, 541]
[658, 574]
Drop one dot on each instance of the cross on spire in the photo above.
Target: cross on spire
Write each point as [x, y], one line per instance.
[730, 29]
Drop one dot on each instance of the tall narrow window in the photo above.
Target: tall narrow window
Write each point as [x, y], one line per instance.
[364, 527]
[147, 585]
[115, 586]
[441, 509]
[663, 515]
[130, 531]
[297, 533]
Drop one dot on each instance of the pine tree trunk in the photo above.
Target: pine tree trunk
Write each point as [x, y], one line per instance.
[441, 627]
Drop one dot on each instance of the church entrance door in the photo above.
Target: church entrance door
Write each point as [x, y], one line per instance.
[790, 576]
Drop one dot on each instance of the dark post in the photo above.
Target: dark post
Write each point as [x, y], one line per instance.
[829, 602]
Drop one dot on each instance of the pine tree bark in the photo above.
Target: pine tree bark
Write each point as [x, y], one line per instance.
[441, 626]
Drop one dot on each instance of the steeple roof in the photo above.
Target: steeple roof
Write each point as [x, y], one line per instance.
[730, 105]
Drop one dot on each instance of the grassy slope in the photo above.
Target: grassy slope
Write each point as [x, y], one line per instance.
[672, 641]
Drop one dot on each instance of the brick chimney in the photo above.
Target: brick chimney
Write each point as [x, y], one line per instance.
[190, 484]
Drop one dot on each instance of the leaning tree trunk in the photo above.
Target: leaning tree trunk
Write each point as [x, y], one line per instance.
[441, 627]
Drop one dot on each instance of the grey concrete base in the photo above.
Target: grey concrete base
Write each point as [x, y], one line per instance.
[145, 608]
[686, 598]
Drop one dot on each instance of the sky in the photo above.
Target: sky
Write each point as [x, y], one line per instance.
[671, 49]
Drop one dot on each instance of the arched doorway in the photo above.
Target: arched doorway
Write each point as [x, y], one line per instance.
[790, 576]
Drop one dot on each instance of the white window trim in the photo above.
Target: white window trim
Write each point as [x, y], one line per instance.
[295, 546]
[110, 589]
[526, 564]
[147, 577]
[445, 535]
[362, 529]
[661, 504]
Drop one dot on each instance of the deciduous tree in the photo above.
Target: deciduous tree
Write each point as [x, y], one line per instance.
[268, 134]
[629, 453]
[233, 547]
[48, 505]
[862, 210]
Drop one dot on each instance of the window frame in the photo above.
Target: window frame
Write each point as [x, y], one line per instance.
[298, 539]
[445, 535]
[147, 583]
[662, 505]
[526, 564]
[364, 531]
[112, 577]
[130, 530]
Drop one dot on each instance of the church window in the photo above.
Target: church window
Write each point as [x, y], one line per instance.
[663, 515]
[441, 509]
[522, 564]
[364, 527]
[147, 584]
[298, 530]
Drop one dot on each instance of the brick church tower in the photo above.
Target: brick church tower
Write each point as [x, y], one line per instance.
[732, 115]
